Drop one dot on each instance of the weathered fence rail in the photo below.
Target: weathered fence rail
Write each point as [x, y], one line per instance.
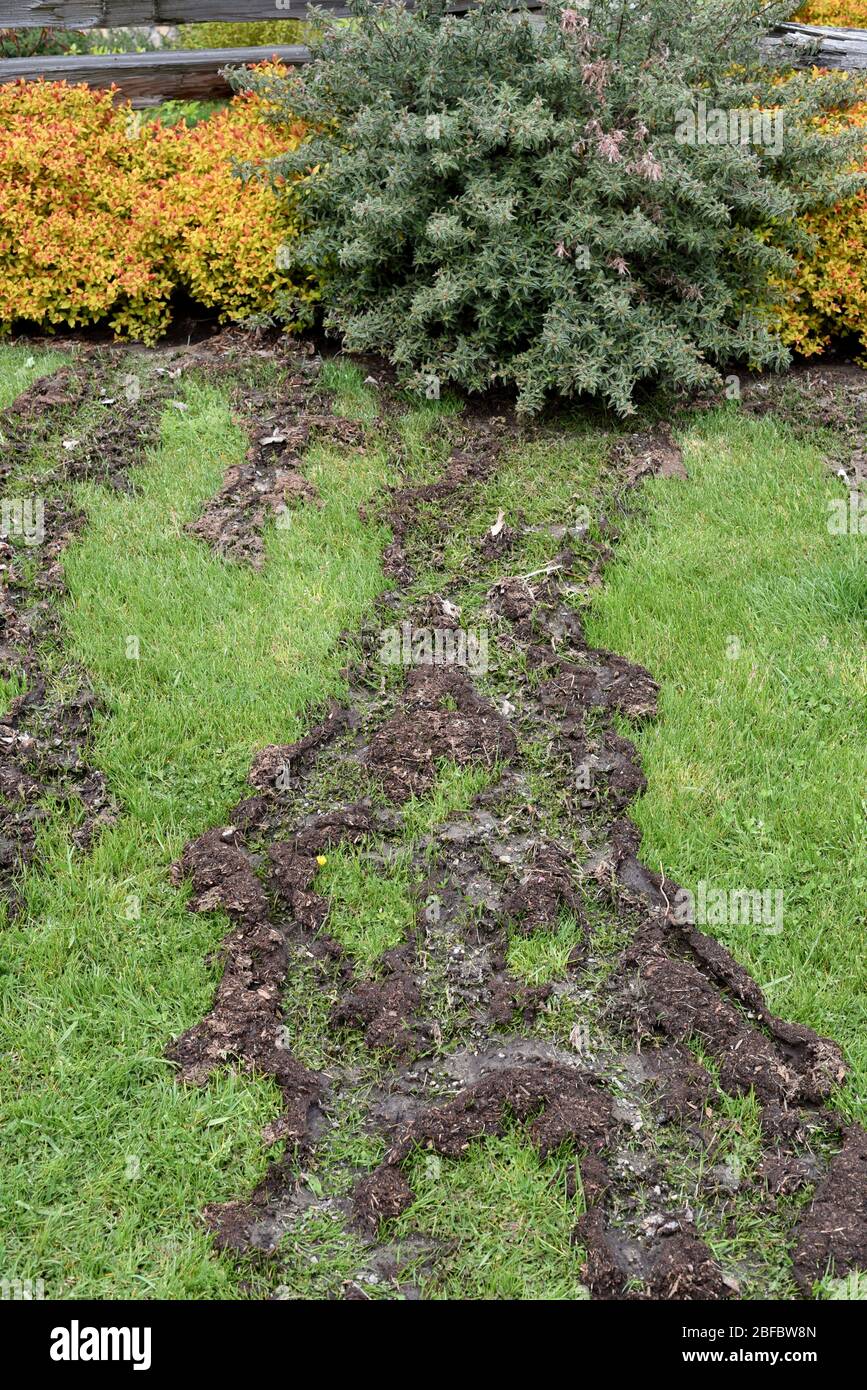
[804, 44]
[149, 78]
[146, 79]
[119, 14]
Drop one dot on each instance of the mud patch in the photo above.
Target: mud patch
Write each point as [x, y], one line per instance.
[545, 889]
[271, 483]
[276, 765]
[467, 466]
[559, 1102]
[45, 738]
[43, 746]
[384, 1008]
[442, 717]
[666, 994]
[30, 420]
[439, 1075]
[121, 438]
[654, 453]
[677, 1265]
[560, 1105]
[245, 1023]
[684, 1086]
[383, 1196]
[831, 1236]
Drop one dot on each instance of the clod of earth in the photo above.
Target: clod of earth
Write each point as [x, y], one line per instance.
[442, 717]
[831, 1236]
[561, 1105]
[271, 483]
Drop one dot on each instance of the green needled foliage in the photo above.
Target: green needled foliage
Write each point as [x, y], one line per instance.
[558, 202]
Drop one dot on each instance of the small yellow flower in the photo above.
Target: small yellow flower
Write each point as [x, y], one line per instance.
[321, 859]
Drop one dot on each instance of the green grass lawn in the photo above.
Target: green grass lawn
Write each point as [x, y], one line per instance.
[106, 1158]
[727, 586]
[731, 590]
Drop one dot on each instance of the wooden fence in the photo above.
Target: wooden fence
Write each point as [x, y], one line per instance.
[159, 75]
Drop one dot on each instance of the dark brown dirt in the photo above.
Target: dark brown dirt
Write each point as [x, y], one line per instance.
[42, 761]
[785, 1173]
[246, 1020]
[276, 764]
[271, 483]
[546, 888]
[32, 417]
[561, 1105]
[45, 739]
[606, 682]
[384, 1008]
[383, 1196]
[685, 1087]
[662, 993]
[120, 440]
[442, 717]
[675, 1266]
[653, 453]
[404, 507]
[831, 1236]
[484, 877]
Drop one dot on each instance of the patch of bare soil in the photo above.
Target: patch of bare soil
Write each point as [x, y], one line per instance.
[560, 1104]
[404, 507]
[442, 716]
[654, 453]
[671, 994]
[457, 1044]
[245, 1022]
[271, 484]
[832, 1233]
[384, 1009]
[30, 419]
[676, 1264]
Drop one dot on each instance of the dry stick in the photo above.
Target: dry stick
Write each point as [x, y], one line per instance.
[662, 889]
[547, 569]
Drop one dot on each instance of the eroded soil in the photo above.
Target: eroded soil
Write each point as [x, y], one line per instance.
[624, 1058]
[459, 1046]
[48, 444]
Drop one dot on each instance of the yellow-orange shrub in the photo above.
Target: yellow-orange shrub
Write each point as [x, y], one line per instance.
[839, 14]
[103, 216]
[829, 295]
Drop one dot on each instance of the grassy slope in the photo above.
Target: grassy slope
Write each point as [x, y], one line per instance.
[758, 764]
[108, 1160]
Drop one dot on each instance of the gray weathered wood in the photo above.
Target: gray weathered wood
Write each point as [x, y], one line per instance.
[160, 75]
[149, 78]
[118, 14]
[805, 44]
